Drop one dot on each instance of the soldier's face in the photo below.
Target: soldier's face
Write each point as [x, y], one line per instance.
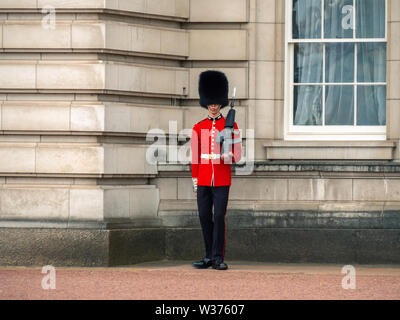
[214, 108]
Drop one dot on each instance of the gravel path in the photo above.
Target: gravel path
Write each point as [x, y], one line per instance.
[178, 280]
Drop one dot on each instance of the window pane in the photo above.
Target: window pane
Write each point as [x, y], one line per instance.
[307, 105]
[306, 19]
[371, 65]
[370, 18]
[339, 62]
[339, 107]
[339, 19]
[307, 62]
[371, 105]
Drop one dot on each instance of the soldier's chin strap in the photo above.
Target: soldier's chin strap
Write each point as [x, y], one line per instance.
[225, 137]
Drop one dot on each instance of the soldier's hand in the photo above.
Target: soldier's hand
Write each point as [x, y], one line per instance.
[194, 185]
[225, 156]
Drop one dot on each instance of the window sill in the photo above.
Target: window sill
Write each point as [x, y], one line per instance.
[329, 150]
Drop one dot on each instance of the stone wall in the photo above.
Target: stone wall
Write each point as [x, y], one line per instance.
[77, 100]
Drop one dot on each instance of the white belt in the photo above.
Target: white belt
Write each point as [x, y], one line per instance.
[210, 156]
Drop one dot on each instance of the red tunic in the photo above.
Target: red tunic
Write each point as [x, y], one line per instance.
[212, 172]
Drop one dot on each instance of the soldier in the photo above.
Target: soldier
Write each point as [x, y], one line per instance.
[211, 171]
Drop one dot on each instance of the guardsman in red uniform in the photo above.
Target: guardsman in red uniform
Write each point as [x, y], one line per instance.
[211, 171]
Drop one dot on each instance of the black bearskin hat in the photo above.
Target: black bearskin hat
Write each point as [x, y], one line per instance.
[213, 88]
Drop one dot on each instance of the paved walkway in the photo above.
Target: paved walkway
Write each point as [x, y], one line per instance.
[178, 280]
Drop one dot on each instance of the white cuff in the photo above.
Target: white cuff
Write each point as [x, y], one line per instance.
[194, 184]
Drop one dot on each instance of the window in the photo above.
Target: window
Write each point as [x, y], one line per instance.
[335, 70]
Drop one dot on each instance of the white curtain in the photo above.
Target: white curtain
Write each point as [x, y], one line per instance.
[308, 62]
[370, 18]
[339, 63]
[308, 69]
[339, 105]
[339, 68]
[338, 19]
[371, 105]
[371, 64]
[307, 105]
[306, 19]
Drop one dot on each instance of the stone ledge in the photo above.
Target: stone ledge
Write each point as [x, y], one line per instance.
[93, 76]
[95, 36]
[69, 205]
[290, 165]
[95, 248]
[79, 247]
[295, 218]
[96, 119]
[73, 158]
[328, 165]
[161, 9]
[328, 150]
[280, 245]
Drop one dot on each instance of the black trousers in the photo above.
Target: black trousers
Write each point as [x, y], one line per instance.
[213, 226]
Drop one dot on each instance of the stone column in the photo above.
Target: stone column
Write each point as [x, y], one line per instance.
[393, 70]
[266, 70]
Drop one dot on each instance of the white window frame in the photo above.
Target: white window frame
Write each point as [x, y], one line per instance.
[337, 133]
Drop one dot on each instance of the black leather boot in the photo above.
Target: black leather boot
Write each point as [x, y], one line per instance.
[203, 264]
[220, 265]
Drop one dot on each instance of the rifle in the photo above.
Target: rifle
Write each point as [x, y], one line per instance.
[225, 137]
